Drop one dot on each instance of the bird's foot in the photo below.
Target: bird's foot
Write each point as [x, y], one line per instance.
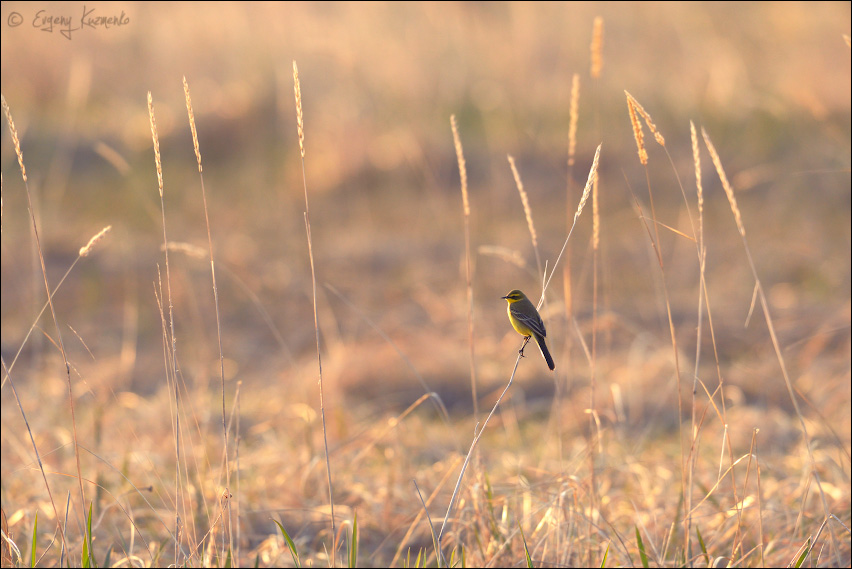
[521, 351]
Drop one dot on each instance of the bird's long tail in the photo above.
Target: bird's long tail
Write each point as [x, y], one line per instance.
[544, 351]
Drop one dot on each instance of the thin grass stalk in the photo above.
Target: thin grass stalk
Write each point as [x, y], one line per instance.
[702, 295]
[696, 159]
[759, 503]
[141, 495]
[525, 201]
[477, 434]
[83, 252]
[172, 350]
[233, 425]
[439, 555]
[297, 90]
[593, 433]
[35, 449]
[596, 65]
[729, 192]
[237, 457]
[15, 140]
[467, 260]
[210, 550]
[634, 109]
[673, 340]
[738, 535]
[421, 513]
[65, 551]
[567, 294]
[168, 363]
[587, 190]
[87, 250]
[227, 467]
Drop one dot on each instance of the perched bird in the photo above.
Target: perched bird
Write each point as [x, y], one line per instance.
[526, 321]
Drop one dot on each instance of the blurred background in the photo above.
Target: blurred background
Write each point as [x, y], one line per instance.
[770, 83]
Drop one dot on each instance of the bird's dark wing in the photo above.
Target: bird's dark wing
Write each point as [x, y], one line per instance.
[534, 323]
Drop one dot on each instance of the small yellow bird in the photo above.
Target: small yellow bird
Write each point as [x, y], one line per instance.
[527, 322]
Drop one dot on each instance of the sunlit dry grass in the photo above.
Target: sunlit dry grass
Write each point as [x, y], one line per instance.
[700, 412]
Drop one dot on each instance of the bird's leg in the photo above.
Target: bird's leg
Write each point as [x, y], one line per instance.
[526, 340]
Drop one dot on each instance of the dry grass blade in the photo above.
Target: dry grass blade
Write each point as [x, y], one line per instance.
[17, 143]
[567, 465]
[86, 249]
[638, 135]
[156, 138]
[226, 461]
[729, 191]
[300, 124]
[15, 140]
[527, 211]
[297, 90]
[596, 217]
[170, 340]
[462, 164]
[525, 201]
[477, 435]
[696, 159]
[583, 199]
[638, 108]
[468, 263]
[192, 123]
[593, 172]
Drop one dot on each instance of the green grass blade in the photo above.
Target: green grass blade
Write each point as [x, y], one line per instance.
[606, 553]
[87, 561]
[353, 547]
[526, 549]
[290, 543]
[89, 537]
[642, 555]
[703, 546]
[492, 520]
[803, 556]
[35, 533]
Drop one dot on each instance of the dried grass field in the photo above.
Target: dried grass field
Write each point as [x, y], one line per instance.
[290, 346]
